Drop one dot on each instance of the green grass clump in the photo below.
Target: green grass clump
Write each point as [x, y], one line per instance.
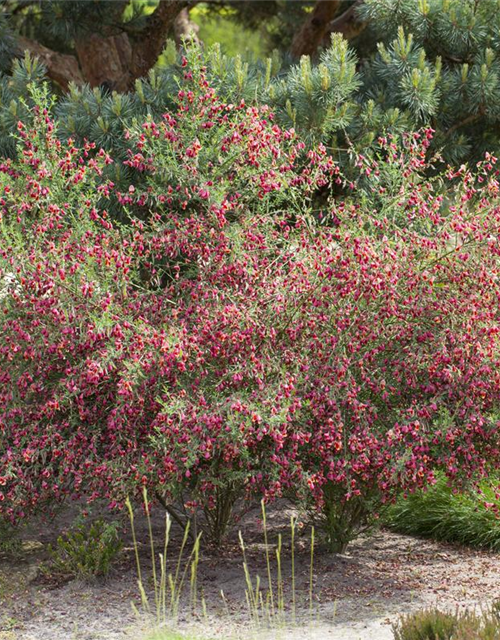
[441, 514]
[266, 605]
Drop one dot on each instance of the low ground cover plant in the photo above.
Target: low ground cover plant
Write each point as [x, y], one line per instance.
[433, 624]
[86, 552]
[10, 541]
[425, 625]
[234, 332]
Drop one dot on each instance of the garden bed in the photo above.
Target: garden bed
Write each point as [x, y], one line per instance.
[356, 594]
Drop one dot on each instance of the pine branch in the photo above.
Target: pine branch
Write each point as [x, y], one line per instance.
[462, 123]
[310, 35]
[21, 6]
[61, 68]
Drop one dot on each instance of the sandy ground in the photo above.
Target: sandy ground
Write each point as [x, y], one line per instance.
[357, 595]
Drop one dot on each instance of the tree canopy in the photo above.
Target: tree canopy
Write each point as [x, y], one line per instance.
[392, 65]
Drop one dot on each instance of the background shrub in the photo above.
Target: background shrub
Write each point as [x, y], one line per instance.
[405, 64]
[443, 513]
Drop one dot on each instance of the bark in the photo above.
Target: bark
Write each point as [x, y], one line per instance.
[118, 60]
[311, 34]
[105, 61]
[61, 68]
[347, 23]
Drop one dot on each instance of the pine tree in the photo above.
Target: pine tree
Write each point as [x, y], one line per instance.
[438, 61]
[103, 43]
[113, 42]
[416, 63]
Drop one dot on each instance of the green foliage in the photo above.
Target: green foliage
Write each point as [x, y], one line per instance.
[469, 518]
[274, 21]
[221, 28]
[406, 78]
[256, 26]
[7, 45]
[87, 551]
[432, 624]
[318, 99]
[16, 101]
[56, 23]
[439, 61]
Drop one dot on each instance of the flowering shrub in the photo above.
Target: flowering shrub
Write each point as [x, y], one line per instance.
[233, 333]
[102, 324]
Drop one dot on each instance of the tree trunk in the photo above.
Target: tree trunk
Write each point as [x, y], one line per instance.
[114, 57]
[311, 34]
[105, 61]
[147, 47]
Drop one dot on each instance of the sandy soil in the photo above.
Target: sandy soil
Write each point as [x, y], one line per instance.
[356, 595]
